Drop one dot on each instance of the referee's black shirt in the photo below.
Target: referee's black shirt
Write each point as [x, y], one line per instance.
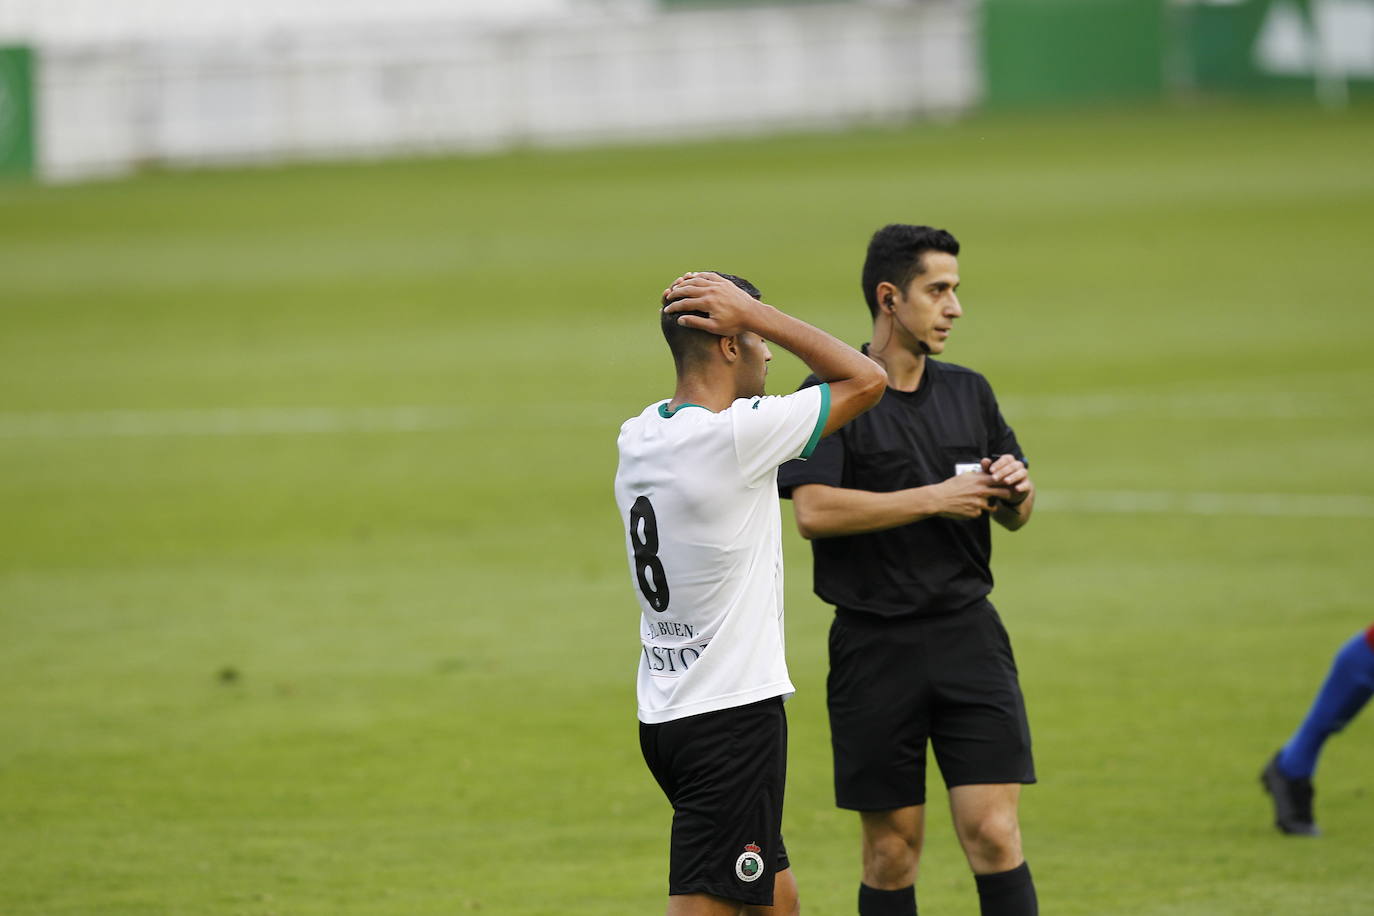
[910, 439]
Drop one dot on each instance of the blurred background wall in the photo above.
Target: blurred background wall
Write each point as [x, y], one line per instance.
[1044, 51]
[91, 88]
[264, 82]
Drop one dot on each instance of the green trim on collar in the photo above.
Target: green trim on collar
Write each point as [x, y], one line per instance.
[821, 417]
[667, 414]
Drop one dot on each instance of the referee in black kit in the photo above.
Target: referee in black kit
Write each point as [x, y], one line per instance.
[897, 507]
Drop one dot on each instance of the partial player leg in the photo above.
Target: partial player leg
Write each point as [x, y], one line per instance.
[892, 846]
[724, 773]
[702, 905]
[785, 898]
[879, 725]
[891, 857]
[982, 742]
[1348, 686]
[1288, 777]
[985, 819]
[785, 902]
[986, 822]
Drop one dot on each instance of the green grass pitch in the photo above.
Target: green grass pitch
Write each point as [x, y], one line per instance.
[313, 598]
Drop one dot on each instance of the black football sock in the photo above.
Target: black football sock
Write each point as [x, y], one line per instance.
[873, 902]
[1007, 893]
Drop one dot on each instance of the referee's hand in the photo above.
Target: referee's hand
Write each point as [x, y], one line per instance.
[969, 495]
[1008, 471]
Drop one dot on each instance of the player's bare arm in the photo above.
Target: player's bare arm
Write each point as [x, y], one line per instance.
[856, 382]
[824, 511]
[1014, 511]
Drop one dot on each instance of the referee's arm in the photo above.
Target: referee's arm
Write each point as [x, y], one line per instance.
[824, 511]
[834, 511]
[1013, 515]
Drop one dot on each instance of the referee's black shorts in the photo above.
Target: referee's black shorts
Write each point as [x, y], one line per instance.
[724, 773]
[894, 685]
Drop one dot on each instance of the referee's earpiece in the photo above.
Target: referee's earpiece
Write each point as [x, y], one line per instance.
[888, 302]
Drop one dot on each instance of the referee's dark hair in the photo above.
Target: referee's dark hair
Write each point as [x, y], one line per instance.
[687, 344]
[894, 255]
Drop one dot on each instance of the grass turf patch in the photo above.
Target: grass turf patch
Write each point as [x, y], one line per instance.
[365, 668]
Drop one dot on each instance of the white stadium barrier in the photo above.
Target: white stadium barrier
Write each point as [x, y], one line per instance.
[317, 80]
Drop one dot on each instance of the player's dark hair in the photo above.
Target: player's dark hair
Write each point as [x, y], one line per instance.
[688, 343]
[895, 254]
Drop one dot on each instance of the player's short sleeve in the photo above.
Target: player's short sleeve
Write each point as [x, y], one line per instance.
[825, 466]
[771, 430]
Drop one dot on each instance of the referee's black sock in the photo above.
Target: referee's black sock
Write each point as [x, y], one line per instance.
[873, 902]
[1007, 893]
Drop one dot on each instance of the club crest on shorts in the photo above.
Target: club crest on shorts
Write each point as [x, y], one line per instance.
[749, 866]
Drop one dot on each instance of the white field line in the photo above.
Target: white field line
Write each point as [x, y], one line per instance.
[227, 421]
[1172, 502]
[1199, 405]
[254, 421]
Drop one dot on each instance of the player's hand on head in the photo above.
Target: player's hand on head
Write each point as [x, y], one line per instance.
[670, 293]
[729, 309]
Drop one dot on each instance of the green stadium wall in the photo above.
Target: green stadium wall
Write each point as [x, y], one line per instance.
[1038, 52]
[1053, 51]
[1281, 47]
[16, 112]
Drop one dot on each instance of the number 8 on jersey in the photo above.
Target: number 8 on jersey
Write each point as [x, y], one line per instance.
[646, 554]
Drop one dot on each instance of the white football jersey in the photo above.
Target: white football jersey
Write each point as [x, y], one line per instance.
[697, 493]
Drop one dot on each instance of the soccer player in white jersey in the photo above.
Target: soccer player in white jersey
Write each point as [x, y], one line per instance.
[696, 488]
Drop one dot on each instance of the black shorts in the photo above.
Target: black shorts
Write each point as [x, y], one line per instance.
[724, 773]
[894, 685]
